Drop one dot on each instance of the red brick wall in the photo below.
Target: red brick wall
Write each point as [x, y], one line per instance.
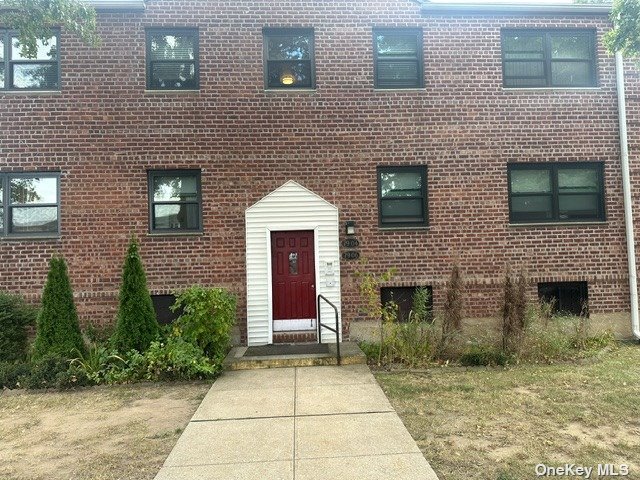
[103, 131]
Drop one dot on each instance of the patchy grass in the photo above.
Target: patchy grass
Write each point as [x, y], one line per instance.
[100, 433]
[498, 423]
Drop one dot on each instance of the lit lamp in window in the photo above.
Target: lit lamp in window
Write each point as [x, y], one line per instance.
[350, 227]
[287, 78]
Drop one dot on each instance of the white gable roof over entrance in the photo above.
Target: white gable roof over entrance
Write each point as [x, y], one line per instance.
[289, 191]
[290, 207]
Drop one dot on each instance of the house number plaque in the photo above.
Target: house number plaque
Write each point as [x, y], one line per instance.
[350, 243]
[351, 255]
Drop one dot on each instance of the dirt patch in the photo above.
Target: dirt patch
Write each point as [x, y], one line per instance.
[604, 436]
[502, 453]
[102, 433]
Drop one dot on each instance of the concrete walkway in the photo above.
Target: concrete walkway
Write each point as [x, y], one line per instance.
[303, 423]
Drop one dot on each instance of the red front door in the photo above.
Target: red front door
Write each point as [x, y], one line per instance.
[293, 279]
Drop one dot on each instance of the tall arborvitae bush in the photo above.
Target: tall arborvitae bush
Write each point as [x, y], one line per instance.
[453, 305]
[136, 325]
[58, 331]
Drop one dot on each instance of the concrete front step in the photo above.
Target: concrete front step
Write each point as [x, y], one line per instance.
[350, 354]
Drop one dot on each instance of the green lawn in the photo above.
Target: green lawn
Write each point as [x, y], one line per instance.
[495, 423]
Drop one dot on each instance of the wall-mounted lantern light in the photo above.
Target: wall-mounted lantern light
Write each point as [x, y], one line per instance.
[350, 227]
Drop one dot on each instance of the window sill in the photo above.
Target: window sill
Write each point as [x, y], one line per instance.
[175, 234]
[36, 238]
[402, 229]
[172, 92]
[551, 89]
[392, 90]
[30, 92]
[272, 91]
[559, 224]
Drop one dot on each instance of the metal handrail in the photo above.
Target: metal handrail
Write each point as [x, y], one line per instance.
[321, 325]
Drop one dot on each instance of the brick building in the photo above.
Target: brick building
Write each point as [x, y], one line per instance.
[240, 141]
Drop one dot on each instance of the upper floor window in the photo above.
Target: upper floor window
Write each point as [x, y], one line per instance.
[289, 58]
[565, 192]
[18, 72]
[402, 196]
[29, 204]
[549, 58]
[397, 58]
[172, 59]
[175, 201]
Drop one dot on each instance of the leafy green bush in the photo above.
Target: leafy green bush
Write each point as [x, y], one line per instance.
[134, 369]
[72, 377]
[206, 318]
[97, 362]
[12, 374]
[15, 316]
[136, 325]
[44, 372]
[171, 359]
[482, 354]
[58, 331]
[177, 359]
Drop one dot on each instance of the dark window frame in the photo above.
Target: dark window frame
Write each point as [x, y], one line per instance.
[420, 169]
[151, 174]
[420, 57]
[554, 194]
[546, 34]
[7, 207]
[269, 31]
[149, 63]
[581, 286]
[7, 63]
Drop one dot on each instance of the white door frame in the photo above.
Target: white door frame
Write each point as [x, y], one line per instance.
[281, 227]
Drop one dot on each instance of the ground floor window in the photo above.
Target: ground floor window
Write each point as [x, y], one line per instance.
[405, 298]
[557, 192]
[29, 204]
[569, 298]
[402, 196]
[175, 201]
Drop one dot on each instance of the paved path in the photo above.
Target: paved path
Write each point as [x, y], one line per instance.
[304, 423]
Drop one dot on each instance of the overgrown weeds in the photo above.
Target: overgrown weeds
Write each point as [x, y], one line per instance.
[530, 332]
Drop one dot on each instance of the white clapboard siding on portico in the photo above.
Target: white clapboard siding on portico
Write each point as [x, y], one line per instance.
[290, 207]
